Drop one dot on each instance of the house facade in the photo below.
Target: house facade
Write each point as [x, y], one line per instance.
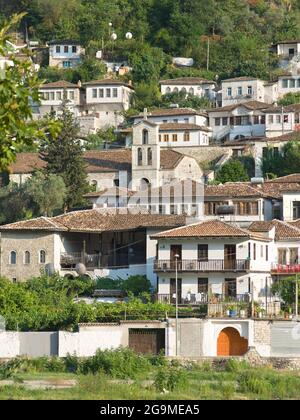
[289, 83]
[287, 52]
[65, 54]
[245, 89]
[189, 85]
[282, 120]
[234, 122]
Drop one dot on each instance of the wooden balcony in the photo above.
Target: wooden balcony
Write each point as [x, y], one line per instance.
[202, 266]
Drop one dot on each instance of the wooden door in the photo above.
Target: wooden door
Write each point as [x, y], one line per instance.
[147, 341]
[173, 290]
[230, 343]
[229, 257]
[176, 250]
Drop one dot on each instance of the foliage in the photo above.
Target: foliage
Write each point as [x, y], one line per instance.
[186, 100]
[289, 99]
[286, 289]
[232, 171]
[64, 157]
[286, 162]
[170, 379]
[15, 204]
[102, 137]
[47, 191]
[147, 95]
[18, 88]
[133, 284]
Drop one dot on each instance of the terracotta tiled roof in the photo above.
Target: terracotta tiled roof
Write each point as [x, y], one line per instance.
[232, 189]
[283, 230]
[292, 178]
[207, 229]
[97, 161]
[98, 221]
[113, 192]
[180, 127]
[63, 42]
[280, 109]
[240, 79]
[107, 82]
[165, 112]
[186, 81]
[251, 105]
[60, 84]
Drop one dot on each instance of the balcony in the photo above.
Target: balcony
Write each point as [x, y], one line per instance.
[285, 269]
[69, 261]
[202, 266]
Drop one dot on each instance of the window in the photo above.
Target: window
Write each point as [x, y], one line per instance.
[202, 285]
[254, 252]
[175, 90]
[278, 119]
[166, 138]
[191, 91]
[108, 93]
[27, 257]
[66, 64]
[238, 120]
[71, 95]
[267, 252]
[57, 49]
[140, 157]
[285, 83]
[294, 256]
[285, 118]
[262, 251]
[282, 256]
[263, 119]
[58, 96]
[160, 138]
[217, 122]
[292, 83]
[225, 121]
[291, 51]
[174, 137]
[240, 91]
[249, 90]
[256, 120]
[52, 96]
[115, 92]
[168, 90]
[13, 258]
[42, 257]
[183, 90]
[94, 93]
[271, 119]
[149, 156]
[66, 49]
[249, 250]
[74, 49]
[186, 136]
[229, 91]
[145, 136]
[203, 252]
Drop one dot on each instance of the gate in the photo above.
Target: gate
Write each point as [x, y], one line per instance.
[147, 341]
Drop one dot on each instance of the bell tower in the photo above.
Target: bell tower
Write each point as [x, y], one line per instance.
[145, 155]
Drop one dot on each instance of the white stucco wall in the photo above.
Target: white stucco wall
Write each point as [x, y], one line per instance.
[9, 344]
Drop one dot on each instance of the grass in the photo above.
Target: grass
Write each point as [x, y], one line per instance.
[148, 379]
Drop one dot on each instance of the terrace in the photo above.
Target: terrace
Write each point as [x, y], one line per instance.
[202, 266]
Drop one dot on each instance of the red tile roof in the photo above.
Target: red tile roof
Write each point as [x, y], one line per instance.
[182, 127]
[165, 112]
[186, 81]
[107, 82]
[283, 230]
[251, 105]
[63, 84]
[208, 229]
[232, 190]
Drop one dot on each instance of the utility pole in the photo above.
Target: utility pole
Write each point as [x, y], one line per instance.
[282, 119]
[176, 308]
[208, 54]
[297, 296]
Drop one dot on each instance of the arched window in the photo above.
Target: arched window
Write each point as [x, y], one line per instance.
[145, 136]
[191, 91]
[145, 184]
[42, 257]
[27, 257]
[140, 157]
[175, 90]
[149, 156]
[94, 185]
[13, 258]
[183, 90]
[168, 90]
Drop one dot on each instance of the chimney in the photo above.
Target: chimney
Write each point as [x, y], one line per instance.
[130, 82]
[79, 83]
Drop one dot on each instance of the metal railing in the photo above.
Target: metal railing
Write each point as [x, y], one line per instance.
[204, 266]
[285, 268]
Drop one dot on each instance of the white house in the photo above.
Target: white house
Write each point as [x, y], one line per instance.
[53, 94]
[282, 120]
[245, 89]
[289, 83]
[288, 52]
[106, 100]
[234, 122]
[174, 115]
[189, 85]
[65, 53]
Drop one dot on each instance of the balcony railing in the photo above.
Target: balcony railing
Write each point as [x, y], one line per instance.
[285, 268]
[203, 298]
[202, 266]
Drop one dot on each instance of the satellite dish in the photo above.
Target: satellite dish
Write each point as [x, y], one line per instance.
[129, 35]
[114, 36]
[80, 269]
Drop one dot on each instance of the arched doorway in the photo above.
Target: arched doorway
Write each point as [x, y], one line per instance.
[230, 343]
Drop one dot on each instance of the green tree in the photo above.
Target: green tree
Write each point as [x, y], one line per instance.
[290, 99]
[15, 204]
[64, 157]
[101, 138]
[18, 87]
[147, 95]
[282, 163]
[47, 191]
[148, 64]
[232, 171]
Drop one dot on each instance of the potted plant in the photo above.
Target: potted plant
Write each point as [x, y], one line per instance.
[243, 310]
[232, 311]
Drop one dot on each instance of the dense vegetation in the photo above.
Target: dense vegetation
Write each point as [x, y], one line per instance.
[47, 303]
[282, 163]
[124, 375]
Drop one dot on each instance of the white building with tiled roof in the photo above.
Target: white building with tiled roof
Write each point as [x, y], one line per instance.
[190, 85]
[65, 54]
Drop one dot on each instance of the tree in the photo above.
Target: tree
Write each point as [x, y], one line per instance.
[47, 191]
[186, 100]
[286, 289]
[15, 204]
[18, 87]
[148, 64]
[64, 156]
[282, 163]
[290, 99]
[232, 171]
[102, 137]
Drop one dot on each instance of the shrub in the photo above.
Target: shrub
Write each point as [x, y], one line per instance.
[253, 382]
[170, 379]
[235, 366]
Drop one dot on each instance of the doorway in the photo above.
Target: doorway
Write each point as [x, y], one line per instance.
[230, 343]
[173, 291]
[229, 257]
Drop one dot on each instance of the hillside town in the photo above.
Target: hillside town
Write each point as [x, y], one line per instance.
[161, 215]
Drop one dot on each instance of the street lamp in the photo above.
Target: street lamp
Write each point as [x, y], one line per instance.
[176, 302]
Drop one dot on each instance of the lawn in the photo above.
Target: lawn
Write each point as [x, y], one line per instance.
[155, 379]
